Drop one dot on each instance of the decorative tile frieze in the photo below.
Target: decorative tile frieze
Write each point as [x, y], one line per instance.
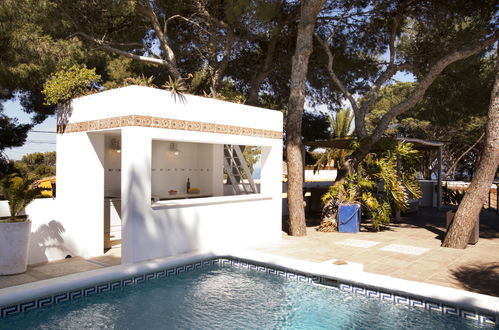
[157, 122]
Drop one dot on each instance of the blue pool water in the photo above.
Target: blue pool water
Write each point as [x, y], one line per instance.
[230, 298]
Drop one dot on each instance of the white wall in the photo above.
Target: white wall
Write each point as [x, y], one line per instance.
[112, 167]
[49, 238]
[195, 162]
[80, 191]
[163, 230]
[179, 229]
[84, 161]
[140, 100]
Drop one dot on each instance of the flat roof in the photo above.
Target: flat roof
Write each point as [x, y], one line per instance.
[418, 144]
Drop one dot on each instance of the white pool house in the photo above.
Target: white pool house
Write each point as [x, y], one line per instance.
[124, 157]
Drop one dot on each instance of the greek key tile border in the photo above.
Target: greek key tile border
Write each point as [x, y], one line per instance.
[156, 122]
[432, 306]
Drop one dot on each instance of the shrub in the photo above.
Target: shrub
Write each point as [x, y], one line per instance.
[69, 83]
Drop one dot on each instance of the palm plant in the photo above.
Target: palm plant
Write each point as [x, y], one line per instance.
[19, 192]
[378, 185]
[340, 126]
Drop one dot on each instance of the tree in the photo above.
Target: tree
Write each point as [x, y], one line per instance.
[411, 32]
[12, 135]
[69, 83]
[31, 50]
[466, 85]
[37, 165]
[469, 209]
[309, 11]
[340, 128]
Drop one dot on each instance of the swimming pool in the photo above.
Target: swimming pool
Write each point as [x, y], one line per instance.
[228, 293]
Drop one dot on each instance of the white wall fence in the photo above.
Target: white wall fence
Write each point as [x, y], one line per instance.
[53, 240]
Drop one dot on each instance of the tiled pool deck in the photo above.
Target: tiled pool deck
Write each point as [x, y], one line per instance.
[408, 250]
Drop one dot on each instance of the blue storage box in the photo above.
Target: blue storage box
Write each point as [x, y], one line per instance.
[349, 218]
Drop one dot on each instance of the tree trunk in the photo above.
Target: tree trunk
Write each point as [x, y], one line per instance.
[469, 209]
[308, 15]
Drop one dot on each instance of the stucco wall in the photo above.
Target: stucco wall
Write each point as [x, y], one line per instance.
[49, 238]
[84, 162]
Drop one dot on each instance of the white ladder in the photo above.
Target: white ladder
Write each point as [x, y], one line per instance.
[235, 166]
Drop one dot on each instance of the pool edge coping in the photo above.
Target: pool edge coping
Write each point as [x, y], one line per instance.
[461, 298]
[454, 297]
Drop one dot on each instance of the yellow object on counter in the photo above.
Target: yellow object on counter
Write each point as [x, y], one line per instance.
[193, 190]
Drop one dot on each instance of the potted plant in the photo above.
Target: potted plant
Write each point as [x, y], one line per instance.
[15, 229]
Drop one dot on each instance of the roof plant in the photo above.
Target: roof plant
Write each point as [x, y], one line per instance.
[69, 83]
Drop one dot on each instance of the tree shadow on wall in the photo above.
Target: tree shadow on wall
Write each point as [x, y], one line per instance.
[479, 277]
[64, 111]
[47, 236]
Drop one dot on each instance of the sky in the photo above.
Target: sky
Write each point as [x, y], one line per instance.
[42, 137]
[36, 141]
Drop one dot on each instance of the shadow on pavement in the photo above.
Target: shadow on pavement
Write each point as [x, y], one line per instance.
[479, 277]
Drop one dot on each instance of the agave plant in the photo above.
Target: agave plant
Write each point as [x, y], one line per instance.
[19, 192]
[177, 87]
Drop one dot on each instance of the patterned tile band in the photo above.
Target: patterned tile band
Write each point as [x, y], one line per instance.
[156, 122]
[432, 306]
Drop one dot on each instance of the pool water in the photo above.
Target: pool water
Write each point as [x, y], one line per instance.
[231, 298]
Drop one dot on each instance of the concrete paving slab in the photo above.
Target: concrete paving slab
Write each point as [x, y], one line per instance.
[357, 243]
[405, 249]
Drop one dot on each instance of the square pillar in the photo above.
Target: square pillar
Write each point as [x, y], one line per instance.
[80, 192]
[136, 146]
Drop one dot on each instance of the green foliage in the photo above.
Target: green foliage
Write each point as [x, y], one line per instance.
[229, 93]
[177, 87]
[451, 196]
[389, 97]
[252, 155]
[37, 165]
[69, 83]
[340, 127]
[140, 81]
[377, 185]
[19, 192]
[315, 126]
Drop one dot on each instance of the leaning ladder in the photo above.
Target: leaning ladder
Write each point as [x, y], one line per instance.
[235, 166]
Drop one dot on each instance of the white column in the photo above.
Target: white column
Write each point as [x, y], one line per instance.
[217, 175]
[271, 175]
[271, 184]
[136, 145]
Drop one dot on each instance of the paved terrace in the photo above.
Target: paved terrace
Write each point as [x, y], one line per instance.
[409, 250]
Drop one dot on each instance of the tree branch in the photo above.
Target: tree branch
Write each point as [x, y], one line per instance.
[107, 47]
[428, 79]
[222, 65]
[335, 78]
[454, 165]
[147, 10]
[187, 20]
